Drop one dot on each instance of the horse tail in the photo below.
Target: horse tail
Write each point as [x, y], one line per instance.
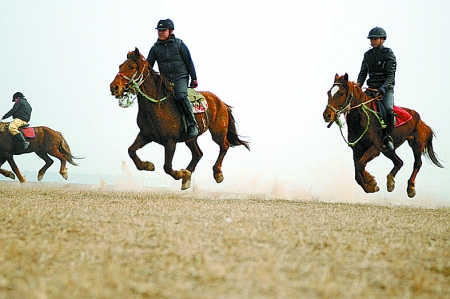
[428, 151]
[232, 136]
[65, 150]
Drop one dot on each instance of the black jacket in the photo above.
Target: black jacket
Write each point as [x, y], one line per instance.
[174, 59]
[380, 64]
[21, 109]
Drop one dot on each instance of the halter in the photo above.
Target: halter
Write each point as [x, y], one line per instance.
[134, 85]
[346, 107]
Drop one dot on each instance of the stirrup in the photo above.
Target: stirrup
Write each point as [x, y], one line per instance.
[388, 142]
[25, 144]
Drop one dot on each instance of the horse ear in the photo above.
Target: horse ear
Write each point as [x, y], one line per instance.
[136, 51]
[346, 77]
[336, 77]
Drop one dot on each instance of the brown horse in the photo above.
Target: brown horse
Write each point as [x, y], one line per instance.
[159, 118]
[46, 142]
[365, 134]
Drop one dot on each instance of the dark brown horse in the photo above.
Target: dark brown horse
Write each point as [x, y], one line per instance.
[365, 134]
[46, 142]
[159, 118]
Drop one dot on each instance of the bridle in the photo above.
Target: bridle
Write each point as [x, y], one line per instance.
[133, 85]
[347, 106]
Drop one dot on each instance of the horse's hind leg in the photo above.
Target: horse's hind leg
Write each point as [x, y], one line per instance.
[185, 174]
[197, 154]
[417, 151]
[398, 163]
[5, 172]
[48, 162]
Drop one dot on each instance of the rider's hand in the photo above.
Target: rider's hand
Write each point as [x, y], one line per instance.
[382, 90]
[194, 84]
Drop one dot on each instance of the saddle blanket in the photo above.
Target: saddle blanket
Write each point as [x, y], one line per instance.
[198, 101]
[28, 132]
[401, 115]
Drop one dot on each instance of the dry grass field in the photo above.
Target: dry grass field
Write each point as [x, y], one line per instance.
[68, 241]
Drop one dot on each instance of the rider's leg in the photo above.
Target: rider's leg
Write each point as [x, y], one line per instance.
[388, 101]
[180, 88]
[14, 130]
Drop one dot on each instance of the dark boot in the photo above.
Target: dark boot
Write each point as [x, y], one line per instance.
[387, 140]
[186, 108]
[22, 139]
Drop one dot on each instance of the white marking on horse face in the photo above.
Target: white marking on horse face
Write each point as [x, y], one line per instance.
[334, 90]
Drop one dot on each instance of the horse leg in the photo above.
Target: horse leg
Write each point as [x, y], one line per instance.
[196, 152]
[5, 172]
[398, 163]
[185, 174]
[363, 177]
[48, 162]
[417, 151]
[16, 170]
[138, 143]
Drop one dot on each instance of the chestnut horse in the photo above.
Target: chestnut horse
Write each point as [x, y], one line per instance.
[364, 130]
[46, 142]
[159, 118]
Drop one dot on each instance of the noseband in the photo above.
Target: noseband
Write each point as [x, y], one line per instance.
[346, 106]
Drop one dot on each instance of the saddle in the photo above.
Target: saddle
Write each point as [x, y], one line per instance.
[199, 103]
[28, 132]
[401, 115]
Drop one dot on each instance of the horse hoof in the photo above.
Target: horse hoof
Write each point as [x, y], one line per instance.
[411, 192]
[149, 166]
[219, 178]
[65, 176]
[40, 177]
[12, 176]
[390, 183]
[186, 175]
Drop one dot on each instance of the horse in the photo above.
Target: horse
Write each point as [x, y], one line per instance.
[45, 142]
[365, 134]
[160, 120]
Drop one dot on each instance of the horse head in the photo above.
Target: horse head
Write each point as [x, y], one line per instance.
[131, 72]
[342, 97]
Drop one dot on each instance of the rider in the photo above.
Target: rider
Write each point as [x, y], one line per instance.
[380, 64]
[21, 113]
[175, 63]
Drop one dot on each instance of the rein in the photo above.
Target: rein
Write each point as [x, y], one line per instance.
[134, 85]
[346, 109]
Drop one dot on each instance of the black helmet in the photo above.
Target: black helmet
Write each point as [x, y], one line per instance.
[17, 95]
[377, 32]
[165, 24]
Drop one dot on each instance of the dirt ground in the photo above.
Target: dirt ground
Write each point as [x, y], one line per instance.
[68, 241]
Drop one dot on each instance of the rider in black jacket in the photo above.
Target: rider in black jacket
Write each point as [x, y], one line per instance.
[380, 64]
[175, 63]
[21, 113]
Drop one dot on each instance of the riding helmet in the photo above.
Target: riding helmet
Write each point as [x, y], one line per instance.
[377, 32]
[165, 24]
[17, 95]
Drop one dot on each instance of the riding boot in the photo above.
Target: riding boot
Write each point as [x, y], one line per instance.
[387, 140]
[186, 108]
[22, 139]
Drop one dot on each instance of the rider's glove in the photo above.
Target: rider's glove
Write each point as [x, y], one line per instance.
[382, 90]
[194, 84]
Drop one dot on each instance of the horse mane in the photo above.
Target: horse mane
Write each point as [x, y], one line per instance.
[163, 87]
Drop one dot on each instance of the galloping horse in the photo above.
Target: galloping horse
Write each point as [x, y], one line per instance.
[159, 118]
[365, 132]
[45, 142]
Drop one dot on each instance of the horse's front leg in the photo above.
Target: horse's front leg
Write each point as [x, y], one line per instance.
[196, 152]
[5, 172]
[138, 143]
[16, 170]
[363, 177]
[169, 151]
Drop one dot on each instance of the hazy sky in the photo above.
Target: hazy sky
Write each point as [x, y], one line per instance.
[273, 61]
